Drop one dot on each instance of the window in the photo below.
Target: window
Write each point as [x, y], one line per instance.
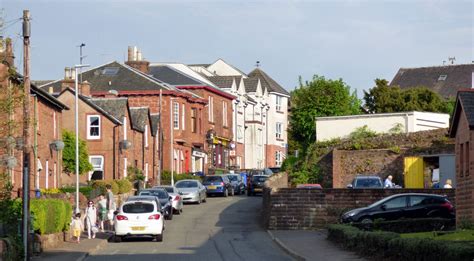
[442, 77]
[461, 160]
[182, 117]
[466, 160]
[97, 172]
[239, 132]
[416, 201]
[55, 128]
[176, 116]
[110, 71]
[399, 202]
[278, 158]
[224, 113]
[194, 120]
[146, 136]
[211, 108]
[278, 103]
[93, 127]
[278, 130]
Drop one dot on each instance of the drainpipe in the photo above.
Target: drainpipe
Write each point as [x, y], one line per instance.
[35, 141]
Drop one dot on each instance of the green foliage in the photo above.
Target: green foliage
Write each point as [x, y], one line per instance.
[410, 225]
[135, 174]
[166, 177]
[124, 186]
[69, 154]
[101, 186]
[86, 191]
[396, 129]
[316, 98]
[395, 149]
[362, 133]
[383, 98]
[389, 245]
[289, 163]
[50, 215]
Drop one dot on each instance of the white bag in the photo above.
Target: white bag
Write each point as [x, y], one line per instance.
[95, 229]
[110, 215]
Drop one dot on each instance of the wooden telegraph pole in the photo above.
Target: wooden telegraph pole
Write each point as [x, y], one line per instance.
[27, 160]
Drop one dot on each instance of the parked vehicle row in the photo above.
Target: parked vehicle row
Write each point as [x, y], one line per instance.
[145, 214]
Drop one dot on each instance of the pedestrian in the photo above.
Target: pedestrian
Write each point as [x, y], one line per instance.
[77, 227]
[110, 206]
[91, 219]
[448, 184]
[102, 208]
[388, 182]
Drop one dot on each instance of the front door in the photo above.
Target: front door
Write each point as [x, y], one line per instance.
[414, 167]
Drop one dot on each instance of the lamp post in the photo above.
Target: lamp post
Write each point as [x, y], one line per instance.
[76, 121]
[172, 139]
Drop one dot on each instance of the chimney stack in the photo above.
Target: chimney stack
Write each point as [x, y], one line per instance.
[8, 52]
[85, 89]
[68, 81]
[135, 60]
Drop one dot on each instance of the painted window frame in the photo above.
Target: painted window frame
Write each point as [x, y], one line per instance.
[278, 102]
[102, 165]
[89, 126]
[211, 109]
[278, 130]
[176, 115]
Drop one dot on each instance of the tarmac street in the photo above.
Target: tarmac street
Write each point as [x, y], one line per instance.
[221, 229]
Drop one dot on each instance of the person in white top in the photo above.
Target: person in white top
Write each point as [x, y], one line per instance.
[448, 184]
[91, 219]
[388, 182]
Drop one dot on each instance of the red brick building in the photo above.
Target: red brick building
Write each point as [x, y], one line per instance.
[462, 128]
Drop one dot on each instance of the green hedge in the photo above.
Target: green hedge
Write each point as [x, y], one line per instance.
[50, 215]
[101, 185]
[166, 177]
[391, 246]
[410, 225]
[86, 191]
[124, 186]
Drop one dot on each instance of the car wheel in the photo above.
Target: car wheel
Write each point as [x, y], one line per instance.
[170, 216]
[159, 238]
[366, 220]
[118, 239]
[226, 193]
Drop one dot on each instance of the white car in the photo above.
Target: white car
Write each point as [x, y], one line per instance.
[177, 198]
[140, 217]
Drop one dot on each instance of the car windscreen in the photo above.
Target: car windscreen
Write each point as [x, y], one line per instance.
[168, 189]
[259, 178]
[212, 179]
[157, 193]
[368, 183]
[233, 178]
[138, 208]
[187, 184]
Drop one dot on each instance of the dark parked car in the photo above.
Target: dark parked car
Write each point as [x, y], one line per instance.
[165, 200]
[218, 184]
[237, 183]
[256, 184]
[409, 205]
[275, 170]
[366, 182]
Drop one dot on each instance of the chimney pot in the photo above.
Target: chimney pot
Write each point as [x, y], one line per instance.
[130, 53]
[50, 90]
[139, 55]
[73, 74]
[67, 73]
[135, 50]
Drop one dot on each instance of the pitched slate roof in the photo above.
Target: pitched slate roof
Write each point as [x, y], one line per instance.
[267, 81]
[465, 104]
[115, 76]
[171, 76]
[224, 82]
[456, 77]
[117, 107]
[139, 117]
[155, 121]
[41, 82]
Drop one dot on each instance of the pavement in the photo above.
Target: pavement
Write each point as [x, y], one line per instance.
[74, 251]
[310, 245]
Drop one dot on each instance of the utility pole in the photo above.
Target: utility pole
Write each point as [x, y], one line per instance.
[160, 141]
[81, 58]
[27, 166]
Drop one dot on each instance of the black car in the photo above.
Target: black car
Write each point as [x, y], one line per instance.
[165, 200]
[409, 205]
[256, 184]
[237, 183]
[218, 184]
[366, 182]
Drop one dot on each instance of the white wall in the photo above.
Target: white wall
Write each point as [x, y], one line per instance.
[221, 68]
[328, 128]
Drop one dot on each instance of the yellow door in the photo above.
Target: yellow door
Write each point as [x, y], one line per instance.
[413, 172]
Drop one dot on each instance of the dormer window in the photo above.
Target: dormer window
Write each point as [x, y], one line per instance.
[442, 77]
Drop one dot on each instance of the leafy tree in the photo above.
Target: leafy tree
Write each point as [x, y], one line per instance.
[383, 98]
[316, 98]
[69, 154]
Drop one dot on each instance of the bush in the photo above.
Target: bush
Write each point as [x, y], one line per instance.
[50, 215]
[166, 177]
[411, 225]
[124, 186]
[390, 245]
[101, 185]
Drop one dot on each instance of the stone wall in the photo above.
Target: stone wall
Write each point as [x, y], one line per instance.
[292, 209]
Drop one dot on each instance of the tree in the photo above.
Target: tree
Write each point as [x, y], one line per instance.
[69, 154]
[317, 98]
[383, 98]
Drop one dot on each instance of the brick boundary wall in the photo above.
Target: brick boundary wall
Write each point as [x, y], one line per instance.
[307, 209]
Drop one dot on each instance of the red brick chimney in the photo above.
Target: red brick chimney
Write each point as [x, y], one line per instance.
[7, 53]
[135, 60]
[85, 89]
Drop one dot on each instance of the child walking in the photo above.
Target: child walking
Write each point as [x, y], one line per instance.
[91, 219]
[77, 227]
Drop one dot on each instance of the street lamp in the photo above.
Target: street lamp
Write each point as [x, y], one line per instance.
[76, 121]
[172, 139]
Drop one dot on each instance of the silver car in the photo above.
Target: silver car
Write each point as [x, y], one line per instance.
[177, 198]
[193, 191]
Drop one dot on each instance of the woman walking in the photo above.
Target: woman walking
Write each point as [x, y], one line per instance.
[91, 219]
[102, 206]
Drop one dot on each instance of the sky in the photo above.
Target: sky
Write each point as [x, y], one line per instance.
[357, 41]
